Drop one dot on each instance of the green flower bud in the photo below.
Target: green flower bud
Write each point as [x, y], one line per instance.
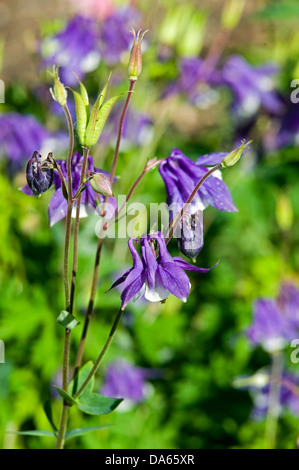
[101, 184]
[234, 156]
[58, 91]
[135, 64]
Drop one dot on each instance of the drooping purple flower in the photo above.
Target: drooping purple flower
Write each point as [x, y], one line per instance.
[155, 277]
[39, 179]
[180, 175]
[115, 36]
[252, 87]
[275, 322]
[90, 200]
[122, 380]
[75, 49]
[19, 134]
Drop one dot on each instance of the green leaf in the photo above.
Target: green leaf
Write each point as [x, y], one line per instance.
[80, 378]
[81, 114]
[96, 404]
[94, 116]
[65, 396]
[81, 431]
[103, 92]
[48, 412]
[83, 92]
[102, 118]
[33, 433]
[67, 320]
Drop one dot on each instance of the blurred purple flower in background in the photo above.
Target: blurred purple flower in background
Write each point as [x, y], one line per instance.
[259, 385]
[276, 322]
[289, 396]
[193, 81]
[284, 130]
[180, 175]
[122, 380]
[19, 136]
[89, 199]
[115, 35]
[252, 87]
[75, 49]
[137, 128]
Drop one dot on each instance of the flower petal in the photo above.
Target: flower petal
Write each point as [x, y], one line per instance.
[57, 207]
[190, 267]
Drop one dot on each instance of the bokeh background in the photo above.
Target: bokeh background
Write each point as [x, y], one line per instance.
[190, 354]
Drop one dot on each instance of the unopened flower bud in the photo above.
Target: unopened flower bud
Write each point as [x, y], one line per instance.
[233, 157]
[58, 91]
[101, 184]
[192, 234]
[135, 64]
[39, 179]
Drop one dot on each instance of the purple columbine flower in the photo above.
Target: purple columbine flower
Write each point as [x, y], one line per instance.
[253, 87]
[115, 36]
[155, 277]
[90, 200]
[75, 49]
[122, 380]
[180, 175]
[39, 179]
[19, 134]
[276, 322]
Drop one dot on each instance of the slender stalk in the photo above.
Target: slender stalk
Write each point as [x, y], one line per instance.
[90, 307]
[175, 221]
[120, 129]
[273, 403]
[76, 230]
[133, 187]
[101, 355]
[67, 339]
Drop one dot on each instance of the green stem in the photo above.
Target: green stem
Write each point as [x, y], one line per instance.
[67, 339]
[76, 230]
[273, 403]
[101, 355]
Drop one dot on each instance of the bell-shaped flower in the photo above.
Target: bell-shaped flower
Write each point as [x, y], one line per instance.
[180, 175]
[155, 276]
